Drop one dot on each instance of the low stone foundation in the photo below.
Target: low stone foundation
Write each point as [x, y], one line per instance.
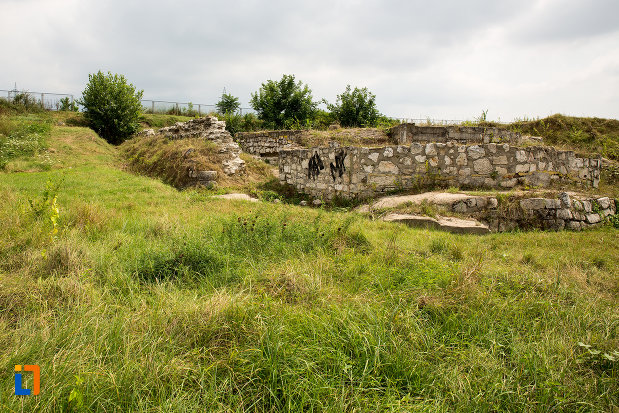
[354, 172]
[268, 144]
[407, 133]
[564, 212]
[210, 129]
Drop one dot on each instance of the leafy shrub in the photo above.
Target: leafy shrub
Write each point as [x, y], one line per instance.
[27, 101]
[355, 107]
[284, 101]
[21, 103]
[111, 106]
[228, 104]
[67, 105]
[241, 123]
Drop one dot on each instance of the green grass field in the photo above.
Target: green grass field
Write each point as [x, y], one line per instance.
[133, 296]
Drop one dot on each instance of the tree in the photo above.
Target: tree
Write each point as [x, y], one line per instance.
[228, 104]
[355, 108]
[283, 102]
[111, 106]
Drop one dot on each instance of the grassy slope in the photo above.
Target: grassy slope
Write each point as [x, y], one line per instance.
[593, 135]
[159, 300]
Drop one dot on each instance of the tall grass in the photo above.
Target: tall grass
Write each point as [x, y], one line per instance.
[151, 299]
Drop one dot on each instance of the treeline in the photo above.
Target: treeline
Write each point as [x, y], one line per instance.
[289, 104]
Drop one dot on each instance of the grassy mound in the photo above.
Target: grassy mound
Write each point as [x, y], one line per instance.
[170, 161]
[593, 135]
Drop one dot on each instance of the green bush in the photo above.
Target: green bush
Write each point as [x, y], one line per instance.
[228, 104]
[355, 108]
[111, 106]
[67, 105]
[241, 123]
[283, 102]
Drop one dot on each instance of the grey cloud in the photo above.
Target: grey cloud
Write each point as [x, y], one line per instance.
[445, 57]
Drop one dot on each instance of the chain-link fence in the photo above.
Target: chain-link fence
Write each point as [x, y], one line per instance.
[183, 108]
[66, 101]
[441, 122]
[45, 100]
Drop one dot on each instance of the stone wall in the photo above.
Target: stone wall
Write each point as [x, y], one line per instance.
[354, 172]
[268, 144]
[210, 129]
[564, 212]
[407, 133]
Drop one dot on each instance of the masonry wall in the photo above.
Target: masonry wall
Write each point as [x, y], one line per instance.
[564, 212]
[354, 172]
[408, 133]
[267, 144]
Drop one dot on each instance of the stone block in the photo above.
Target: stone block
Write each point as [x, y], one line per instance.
[387, 167]
[374, 156]
[522, 168]
[532, 204]
[509, 183]
[208, 175]
[475, 151]
[368, 168]
[565, 214]
[460, 207]
[433, 161]
[552, 204]
[387, 153]
[566, 202]
[430, 149]
[416, 148]
[593, 218]
[493, 203]
[461, 160]
[499, 160]
[578, 205]
[573, 225]
[482, 166]
[604, 203]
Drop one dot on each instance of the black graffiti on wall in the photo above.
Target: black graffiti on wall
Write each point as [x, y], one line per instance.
[314, 166]
[338, 169]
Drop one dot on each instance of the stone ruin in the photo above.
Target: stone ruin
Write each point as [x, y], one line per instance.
[210, 129]
[358, 172]
[408, 133]
[473, 157]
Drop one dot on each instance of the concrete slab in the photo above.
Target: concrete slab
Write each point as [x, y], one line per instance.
[449, 224]
[242, 197]
[436, 198]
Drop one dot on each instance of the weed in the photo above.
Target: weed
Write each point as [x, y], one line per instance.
[438, 246]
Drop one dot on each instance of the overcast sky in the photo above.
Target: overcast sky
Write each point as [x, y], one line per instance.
[439, 59]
